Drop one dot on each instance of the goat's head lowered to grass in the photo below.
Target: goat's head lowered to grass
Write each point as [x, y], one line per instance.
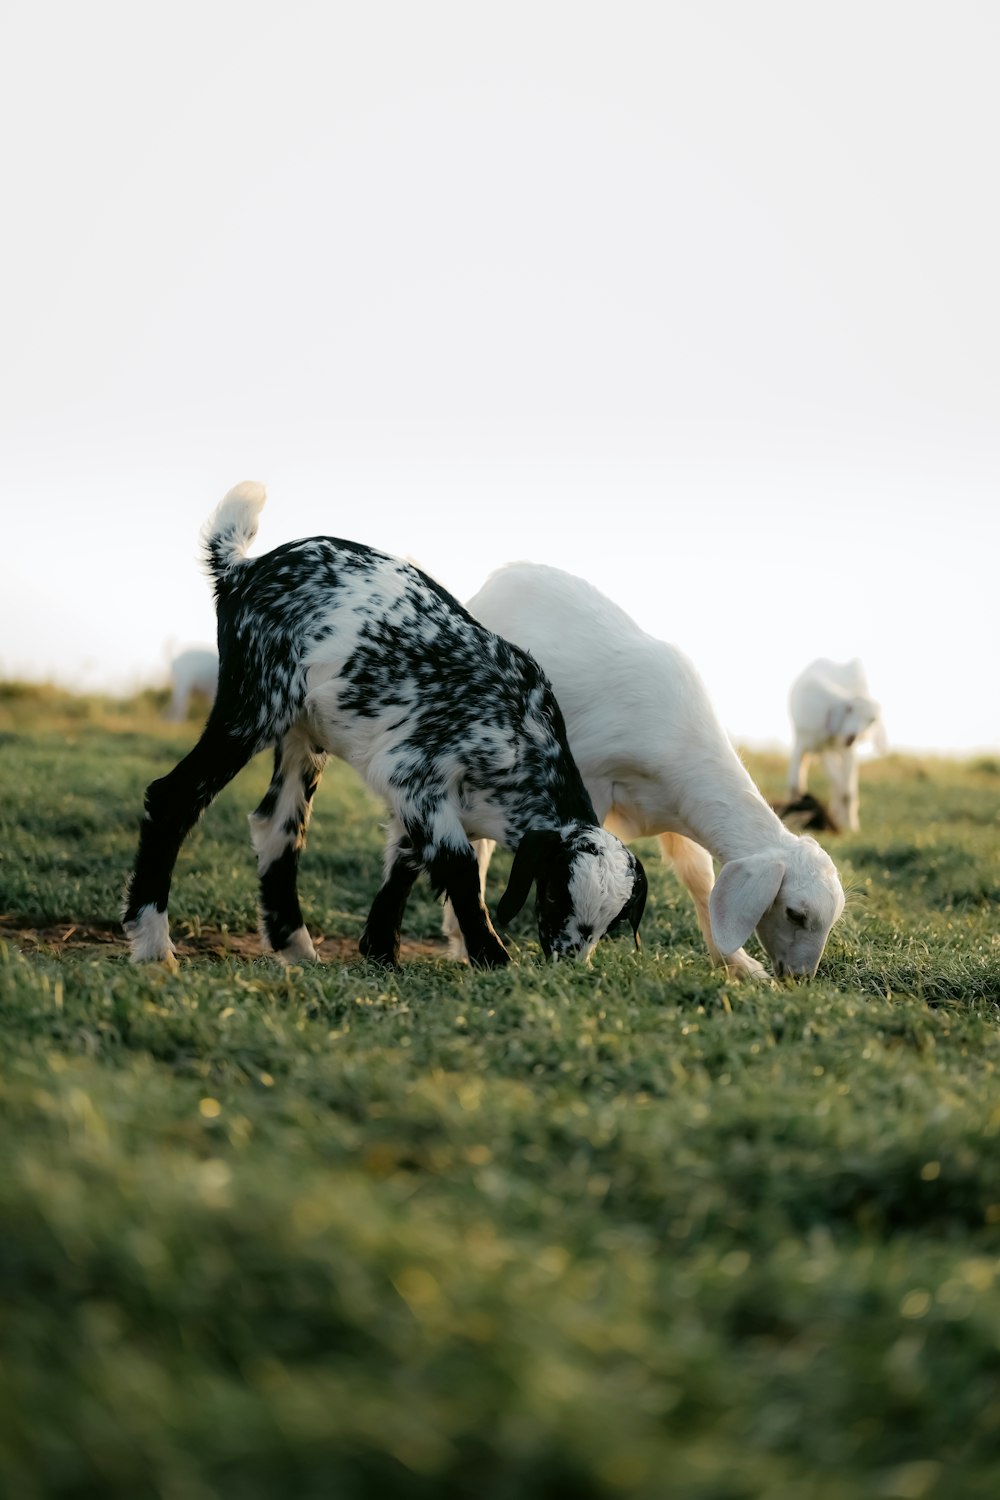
[790, 896]
[657, 762]
[586, 883]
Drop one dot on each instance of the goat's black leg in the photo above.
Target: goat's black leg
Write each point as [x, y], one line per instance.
[380, 939]
[278, 830]
[456, 873]
[173, 804]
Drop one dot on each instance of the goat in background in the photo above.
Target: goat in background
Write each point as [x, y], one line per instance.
[193, 671]
[832, 712]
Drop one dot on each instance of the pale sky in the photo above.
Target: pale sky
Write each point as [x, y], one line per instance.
[699, 301]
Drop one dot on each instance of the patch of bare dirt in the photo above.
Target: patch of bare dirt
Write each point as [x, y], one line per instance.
[108, 938]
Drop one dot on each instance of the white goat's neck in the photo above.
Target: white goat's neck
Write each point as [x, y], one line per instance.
[725, 813]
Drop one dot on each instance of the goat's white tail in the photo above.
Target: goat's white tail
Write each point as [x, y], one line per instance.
[231, 528]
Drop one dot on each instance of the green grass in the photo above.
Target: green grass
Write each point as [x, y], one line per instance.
[629, 1231]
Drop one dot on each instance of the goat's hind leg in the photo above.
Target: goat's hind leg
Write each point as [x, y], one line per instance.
[278, 833]
[173, 804]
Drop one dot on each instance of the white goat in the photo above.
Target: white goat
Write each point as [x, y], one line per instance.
[656, 761]
[832, 711]
[192, 671]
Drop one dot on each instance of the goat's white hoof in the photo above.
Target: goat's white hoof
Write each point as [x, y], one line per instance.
[452, 933]
[299, 949]
[741, 966]
[149, 938]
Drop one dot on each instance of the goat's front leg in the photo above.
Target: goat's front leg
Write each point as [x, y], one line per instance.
[798, 769]
[173, 804]
[380, 939]
[449, 922]
[853, 795]
[841, 768]
[693, 867]
[458, 873]
[278, 832]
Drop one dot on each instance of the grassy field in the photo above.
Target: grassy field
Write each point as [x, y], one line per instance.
[631, 1231]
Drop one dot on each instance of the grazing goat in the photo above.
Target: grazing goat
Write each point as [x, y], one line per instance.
[656, 760]
[330, 647]
[831, 711]
[192, 671]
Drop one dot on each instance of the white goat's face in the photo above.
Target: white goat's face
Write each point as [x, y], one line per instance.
[859, 716]
[792, 898]
[796, 925]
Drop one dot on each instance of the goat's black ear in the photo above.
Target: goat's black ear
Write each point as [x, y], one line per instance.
[638, 903]
[632, 912]
[534, 850]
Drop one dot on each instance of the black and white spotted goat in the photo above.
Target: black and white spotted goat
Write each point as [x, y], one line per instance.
[330, 647]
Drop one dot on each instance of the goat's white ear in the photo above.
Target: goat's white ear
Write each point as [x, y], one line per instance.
[740, 897]
[835, 716]
[879, 738]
